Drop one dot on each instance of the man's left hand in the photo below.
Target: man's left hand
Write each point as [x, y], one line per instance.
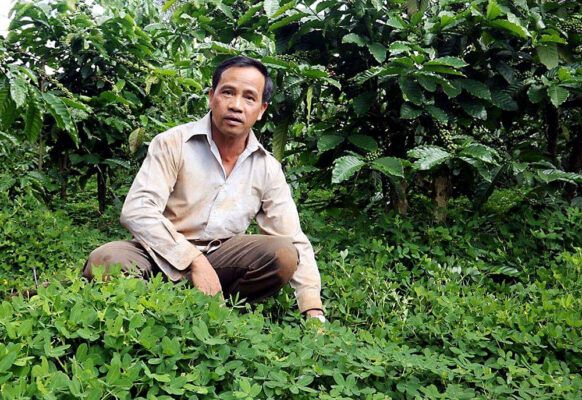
[314, 313]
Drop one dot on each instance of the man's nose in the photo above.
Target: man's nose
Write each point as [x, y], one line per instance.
[235, 103]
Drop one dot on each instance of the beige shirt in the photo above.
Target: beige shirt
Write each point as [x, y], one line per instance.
[181, 194]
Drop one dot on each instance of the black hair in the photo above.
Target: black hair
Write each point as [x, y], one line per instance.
[242, 61]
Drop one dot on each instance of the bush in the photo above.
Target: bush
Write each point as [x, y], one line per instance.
[483, 309]
[34, 239]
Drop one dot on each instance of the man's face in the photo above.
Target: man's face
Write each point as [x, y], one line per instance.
[236, 103]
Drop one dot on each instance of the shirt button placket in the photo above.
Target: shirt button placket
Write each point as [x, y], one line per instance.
[213, 218]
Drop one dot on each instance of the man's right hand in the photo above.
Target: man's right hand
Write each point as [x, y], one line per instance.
[204, 277]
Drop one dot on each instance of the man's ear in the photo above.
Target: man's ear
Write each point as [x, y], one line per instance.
[263, 109]
[210, 95]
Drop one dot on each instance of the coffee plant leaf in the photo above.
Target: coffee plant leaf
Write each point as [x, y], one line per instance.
[390, 166]
[345, 167]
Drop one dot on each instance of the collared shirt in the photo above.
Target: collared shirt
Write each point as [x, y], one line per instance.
[182, 194]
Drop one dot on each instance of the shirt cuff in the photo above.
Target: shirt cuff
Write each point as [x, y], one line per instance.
[308, 299]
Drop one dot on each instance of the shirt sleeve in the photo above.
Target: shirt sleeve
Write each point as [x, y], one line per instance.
[142, 212]
[278, 216]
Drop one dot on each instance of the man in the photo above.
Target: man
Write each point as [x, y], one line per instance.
[196, 193]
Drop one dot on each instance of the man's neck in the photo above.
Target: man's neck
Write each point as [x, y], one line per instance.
[230, 148]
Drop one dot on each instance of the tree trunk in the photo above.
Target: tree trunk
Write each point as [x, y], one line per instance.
[63, 171]
[40, 152]
[442, 190]
[552, 126]
[399, 197]
[101, 189]
[574, 162]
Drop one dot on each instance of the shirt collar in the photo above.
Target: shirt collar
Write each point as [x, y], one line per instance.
[203, 127]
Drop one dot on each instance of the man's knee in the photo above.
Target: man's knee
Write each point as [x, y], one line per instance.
[100, 257]
[286, 258]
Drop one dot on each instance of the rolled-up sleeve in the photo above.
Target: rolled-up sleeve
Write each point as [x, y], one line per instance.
[142, 212]
[278, 216]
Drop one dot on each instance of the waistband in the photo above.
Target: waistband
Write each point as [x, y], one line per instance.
[208, 246]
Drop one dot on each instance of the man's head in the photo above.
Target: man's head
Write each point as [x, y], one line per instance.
[241, 89]
[241, 62]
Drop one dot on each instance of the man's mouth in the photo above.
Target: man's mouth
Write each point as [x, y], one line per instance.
[233, 120]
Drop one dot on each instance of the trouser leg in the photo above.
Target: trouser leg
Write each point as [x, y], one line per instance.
[133, 258]
[254, 266]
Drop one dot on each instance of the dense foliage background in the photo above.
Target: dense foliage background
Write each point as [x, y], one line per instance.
[434, 148]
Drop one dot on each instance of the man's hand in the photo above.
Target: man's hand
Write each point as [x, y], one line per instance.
[315, 313]
[204, 277]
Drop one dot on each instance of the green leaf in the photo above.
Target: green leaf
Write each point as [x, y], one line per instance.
[366, 75]
[286, 21]
[280, 140]
[558, 95]
[552, 175]
[328, 142]
[476, 88]
[454, 62]
[493, 10]
[62, 115]
[378, 51]
[345, 167]
[18, 91]
[409, 112]
[9, 112]
[364, 142]
[10, 138]
[193, 83]
[548, 55]
[536, 93]
[441, 69]
[390, 166]
[271, 7]
[411, 91]
[437, 113]
[226, 10]
[7, 360]
[428, 157]
[313, 72]
[398, 47]
[475, 109]
[249, 14]
[511, 27]
[168, 4]
[452, 89]
[427, 82]
[284, 8]
[308, 101]
[395, 21]
[32, 121]
[480, 152]
[503, 100]
[363, 102]
[136, 139]
[4, 94]
[355, 39]
[77, 105]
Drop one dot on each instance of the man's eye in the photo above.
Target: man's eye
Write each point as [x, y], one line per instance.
[250, 98]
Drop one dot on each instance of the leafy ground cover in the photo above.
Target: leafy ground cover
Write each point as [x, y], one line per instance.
[487, 307]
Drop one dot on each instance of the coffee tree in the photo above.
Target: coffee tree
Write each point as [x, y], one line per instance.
[394, 75]
[360, 86]
[81, 83]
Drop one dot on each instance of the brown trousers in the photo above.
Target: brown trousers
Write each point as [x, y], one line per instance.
[254, 266]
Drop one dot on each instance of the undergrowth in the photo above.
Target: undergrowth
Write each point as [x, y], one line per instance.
[485, 306]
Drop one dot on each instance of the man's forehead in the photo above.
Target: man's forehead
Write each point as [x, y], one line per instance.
[248, 77]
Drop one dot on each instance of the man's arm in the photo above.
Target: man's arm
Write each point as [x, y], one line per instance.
[142, 212]
[278, 216]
